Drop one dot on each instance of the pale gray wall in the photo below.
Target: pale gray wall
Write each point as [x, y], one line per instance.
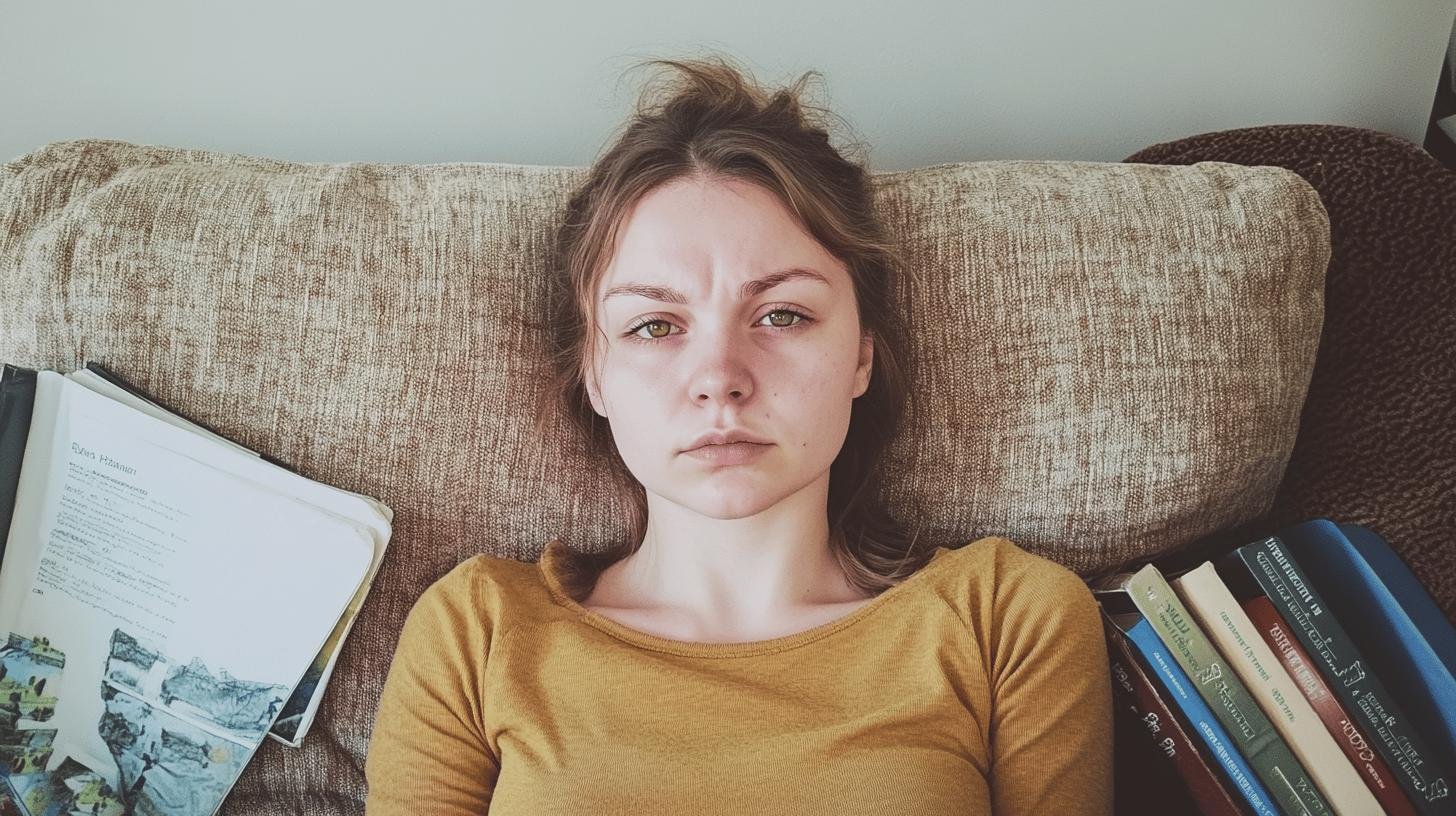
[538, 82]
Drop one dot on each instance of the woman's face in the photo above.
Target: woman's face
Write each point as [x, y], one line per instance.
[689, 345]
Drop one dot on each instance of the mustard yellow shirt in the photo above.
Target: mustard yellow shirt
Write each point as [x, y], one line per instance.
[977, 685]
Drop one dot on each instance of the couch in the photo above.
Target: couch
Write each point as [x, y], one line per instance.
[1115, 360]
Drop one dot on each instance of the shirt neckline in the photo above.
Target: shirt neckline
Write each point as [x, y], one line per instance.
[690, 648]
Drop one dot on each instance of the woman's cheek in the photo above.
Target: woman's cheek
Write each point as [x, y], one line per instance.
[636, 371]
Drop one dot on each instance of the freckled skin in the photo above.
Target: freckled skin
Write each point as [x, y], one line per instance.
[726, 362]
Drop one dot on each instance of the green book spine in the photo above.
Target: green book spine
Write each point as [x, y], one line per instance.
[1347, 672]
[1231, 702]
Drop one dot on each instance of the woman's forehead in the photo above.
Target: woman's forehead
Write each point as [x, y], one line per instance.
[686, 229]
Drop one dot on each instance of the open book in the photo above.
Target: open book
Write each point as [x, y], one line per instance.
[167, 599]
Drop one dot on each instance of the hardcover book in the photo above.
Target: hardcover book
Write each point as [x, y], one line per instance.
[1145, 701]
[1219, 747]
[1238, 641]
[1352, 741]
[1253, 734]
[1391, 619]
[1347, 671]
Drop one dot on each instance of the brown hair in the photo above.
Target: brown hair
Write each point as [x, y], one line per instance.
[715, 123]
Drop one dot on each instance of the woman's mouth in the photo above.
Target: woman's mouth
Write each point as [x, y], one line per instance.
[733, 453]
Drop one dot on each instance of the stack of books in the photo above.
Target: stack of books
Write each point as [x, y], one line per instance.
[1307, 672]
[168, 599]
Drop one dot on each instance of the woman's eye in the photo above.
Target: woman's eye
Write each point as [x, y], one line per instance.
[789, 312]
[786, 322]
[649, 324]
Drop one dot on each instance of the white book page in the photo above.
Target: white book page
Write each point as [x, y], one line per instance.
[126, 553]
[294, 724]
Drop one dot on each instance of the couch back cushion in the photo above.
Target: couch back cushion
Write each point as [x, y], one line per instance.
[1113, 357]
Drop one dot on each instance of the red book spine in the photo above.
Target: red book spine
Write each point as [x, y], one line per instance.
[1351, 739]
[1135, 692]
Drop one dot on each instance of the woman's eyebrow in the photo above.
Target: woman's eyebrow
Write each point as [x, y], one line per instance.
[667, 294]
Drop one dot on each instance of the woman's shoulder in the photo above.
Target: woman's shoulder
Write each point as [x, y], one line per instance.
[482, 568]
[483, 583]
[1021, 605]
[998, 569]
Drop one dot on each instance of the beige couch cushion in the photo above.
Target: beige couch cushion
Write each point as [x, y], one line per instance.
[1115, 355]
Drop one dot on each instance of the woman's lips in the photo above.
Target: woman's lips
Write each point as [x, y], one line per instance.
[733, 453]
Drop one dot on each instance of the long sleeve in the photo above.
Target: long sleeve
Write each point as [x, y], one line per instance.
[428, 752]
[1051, 724]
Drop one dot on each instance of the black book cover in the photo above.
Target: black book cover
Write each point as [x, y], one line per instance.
[17, 399]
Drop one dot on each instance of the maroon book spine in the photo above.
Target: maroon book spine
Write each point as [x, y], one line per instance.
[1135, 692]
[1352, 740]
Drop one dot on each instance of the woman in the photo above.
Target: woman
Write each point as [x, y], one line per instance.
[766, 639]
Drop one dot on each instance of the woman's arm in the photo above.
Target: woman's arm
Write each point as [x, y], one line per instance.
[428, 752]
[1051, 718]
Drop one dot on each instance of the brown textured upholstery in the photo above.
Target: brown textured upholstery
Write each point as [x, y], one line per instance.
[1113, 356]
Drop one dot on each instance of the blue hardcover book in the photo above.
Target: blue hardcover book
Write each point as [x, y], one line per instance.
[1391, 619]
[1428, 618]
[1215, 739]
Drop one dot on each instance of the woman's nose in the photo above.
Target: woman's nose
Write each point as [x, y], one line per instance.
[724, 370]
[722, 384]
